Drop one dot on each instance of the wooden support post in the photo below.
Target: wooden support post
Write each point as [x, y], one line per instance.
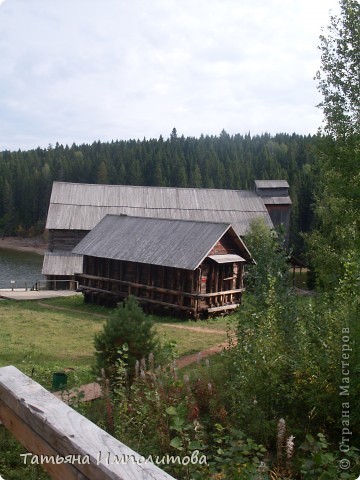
[192, 286]
[198, 290]
[162, 281]
[293, 276]
[121, 268]
[46, 426]
[217, 286]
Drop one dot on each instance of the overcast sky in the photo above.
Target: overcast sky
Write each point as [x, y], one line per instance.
[78, 71]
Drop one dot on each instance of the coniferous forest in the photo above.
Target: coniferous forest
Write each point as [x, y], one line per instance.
[223, 161]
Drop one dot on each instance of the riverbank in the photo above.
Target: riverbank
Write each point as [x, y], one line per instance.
[34, 244]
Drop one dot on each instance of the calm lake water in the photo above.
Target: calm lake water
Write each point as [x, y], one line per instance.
[19, 266]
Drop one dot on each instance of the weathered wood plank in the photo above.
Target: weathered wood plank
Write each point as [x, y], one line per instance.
[35, 444]
[88, 289]
[47, 426]
[223, 307]
[133, 284]
[224, 292]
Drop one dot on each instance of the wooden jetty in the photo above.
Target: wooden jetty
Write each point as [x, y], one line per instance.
[22, 294]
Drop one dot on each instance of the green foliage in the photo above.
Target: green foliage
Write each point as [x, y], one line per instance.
[168, 415]
[330, 245]
[266, 247]
[235, 456]
[339, 73]
[165, 413]
[320, 463]
[128, 325]
[337, 208]
[295, 349]
[264, 352]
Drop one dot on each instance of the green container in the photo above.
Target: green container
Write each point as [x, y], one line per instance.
[59, 380]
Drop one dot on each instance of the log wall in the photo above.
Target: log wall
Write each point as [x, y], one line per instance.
[65, 240]
[211, 287]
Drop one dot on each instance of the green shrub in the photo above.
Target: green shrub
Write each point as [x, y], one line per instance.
[266, 247]
[128, 325]
[319, 462]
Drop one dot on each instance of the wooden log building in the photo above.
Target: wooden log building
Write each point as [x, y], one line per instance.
[191, 267]
[75, 209]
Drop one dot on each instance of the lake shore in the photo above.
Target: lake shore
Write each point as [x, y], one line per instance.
[34, 245]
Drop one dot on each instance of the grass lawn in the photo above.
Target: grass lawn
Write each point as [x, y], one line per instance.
[35, 337]
[42, 337]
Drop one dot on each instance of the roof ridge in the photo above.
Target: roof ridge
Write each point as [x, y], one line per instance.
[158, 208]
[153, 187]
[155, 219]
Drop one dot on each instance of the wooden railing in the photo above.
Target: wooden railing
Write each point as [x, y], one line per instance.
[66, 444]
[181, 300]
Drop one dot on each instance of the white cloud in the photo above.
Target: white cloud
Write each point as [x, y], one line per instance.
[92, 69]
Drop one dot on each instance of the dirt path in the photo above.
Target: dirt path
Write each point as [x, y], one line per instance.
[72, 310]
[196, 357]
[194, 329]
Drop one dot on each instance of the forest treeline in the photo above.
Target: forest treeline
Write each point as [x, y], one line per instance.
[223, 161]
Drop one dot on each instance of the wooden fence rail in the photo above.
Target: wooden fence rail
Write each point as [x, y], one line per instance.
[46, 426]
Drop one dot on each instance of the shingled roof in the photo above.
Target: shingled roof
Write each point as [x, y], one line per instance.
[271, 184]
[172, 243]
[63, 263]
[75, 206]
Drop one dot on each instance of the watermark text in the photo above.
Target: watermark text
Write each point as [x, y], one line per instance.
[110, 458]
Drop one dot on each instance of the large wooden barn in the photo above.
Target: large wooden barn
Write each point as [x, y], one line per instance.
[181, 265]
[75, 209]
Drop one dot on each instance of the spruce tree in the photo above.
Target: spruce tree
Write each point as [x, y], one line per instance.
[127, 325]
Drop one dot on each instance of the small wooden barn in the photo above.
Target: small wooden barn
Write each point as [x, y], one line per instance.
[192, 267]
